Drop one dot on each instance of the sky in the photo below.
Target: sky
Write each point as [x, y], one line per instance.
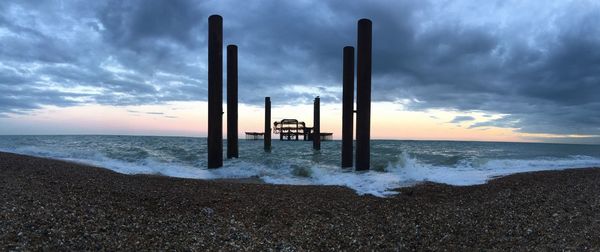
[446, 70]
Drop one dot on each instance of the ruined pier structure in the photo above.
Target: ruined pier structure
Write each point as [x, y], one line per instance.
[292, 130]
[215, 91]
[363, 100]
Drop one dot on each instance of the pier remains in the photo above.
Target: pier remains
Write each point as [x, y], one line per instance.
[232, 102]
[215, 91]
[290, 129]
[294, 130]
[267, 137]
[363, 95]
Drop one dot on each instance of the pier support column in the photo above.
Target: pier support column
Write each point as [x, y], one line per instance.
[232, 102]
[363, 95]
[267, 137]
[317, 124]
[348, 106]
[215, 91]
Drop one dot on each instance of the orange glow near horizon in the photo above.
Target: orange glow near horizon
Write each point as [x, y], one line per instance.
[389, 121]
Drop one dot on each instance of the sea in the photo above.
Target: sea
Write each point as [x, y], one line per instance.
[394, 163]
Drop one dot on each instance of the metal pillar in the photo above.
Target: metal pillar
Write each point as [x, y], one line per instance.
[232, 102]
[267, 137]
[215, 91]
[348, 106]
[363, 95]
[317, 124]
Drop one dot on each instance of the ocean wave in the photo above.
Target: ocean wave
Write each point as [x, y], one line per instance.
[403, 168]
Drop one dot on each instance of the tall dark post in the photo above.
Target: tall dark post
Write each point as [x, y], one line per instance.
[363, 95]
[232, 102]
[267, 124]
[317, 124]
[347, 106]
[215, 91]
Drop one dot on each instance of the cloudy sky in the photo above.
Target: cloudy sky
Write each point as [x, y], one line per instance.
[462, 70]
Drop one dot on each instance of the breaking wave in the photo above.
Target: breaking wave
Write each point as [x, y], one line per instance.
[395, 163]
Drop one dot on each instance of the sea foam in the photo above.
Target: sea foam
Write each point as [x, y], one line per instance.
[397, 164]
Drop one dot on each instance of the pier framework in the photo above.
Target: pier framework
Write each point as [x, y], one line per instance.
[292, 130]
[363, 103]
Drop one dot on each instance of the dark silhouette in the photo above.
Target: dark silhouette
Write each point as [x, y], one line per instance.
[290, 129]
[317, 124]
[363, 95]
[215, 91]
[348, 106]
[268, 124]
[363, 102]
[232, 102]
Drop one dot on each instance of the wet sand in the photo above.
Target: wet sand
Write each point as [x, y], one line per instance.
[48, 204]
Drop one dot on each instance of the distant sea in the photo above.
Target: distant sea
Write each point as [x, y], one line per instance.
[394, 163]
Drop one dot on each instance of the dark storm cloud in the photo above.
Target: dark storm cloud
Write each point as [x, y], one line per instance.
[29, 98]
[540, 70]
[150, 25]
[30, 44]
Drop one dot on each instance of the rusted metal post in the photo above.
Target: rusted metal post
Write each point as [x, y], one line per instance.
[348, 107]
[232, 102]
[215, 91]
[267, 124]
[363, 95]
[317, 124]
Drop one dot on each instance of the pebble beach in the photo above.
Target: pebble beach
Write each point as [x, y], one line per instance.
[55, 205]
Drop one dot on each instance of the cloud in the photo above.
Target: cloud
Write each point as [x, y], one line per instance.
[460, 119]
[152, 26]
[503, 122]
[567, 140]
[540, 69]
